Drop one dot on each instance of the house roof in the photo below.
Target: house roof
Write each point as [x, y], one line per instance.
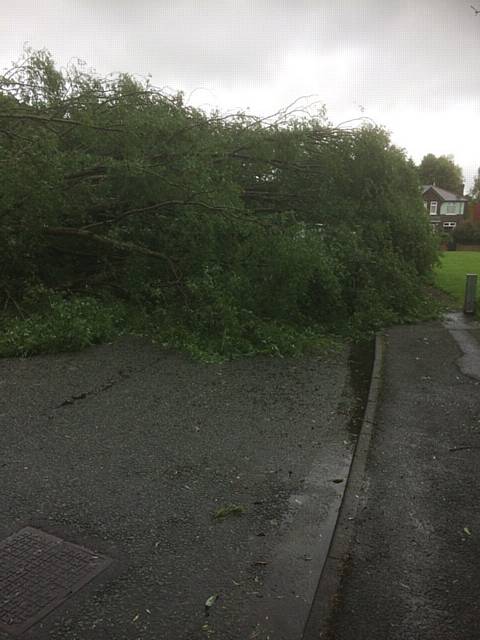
[448, 196]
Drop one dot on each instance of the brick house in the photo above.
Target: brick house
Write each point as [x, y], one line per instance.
[446, 209]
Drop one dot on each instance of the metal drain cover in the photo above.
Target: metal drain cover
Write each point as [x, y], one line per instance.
[37, 573]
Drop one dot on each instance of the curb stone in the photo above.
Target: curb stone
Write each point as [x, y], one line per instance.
[330, 578]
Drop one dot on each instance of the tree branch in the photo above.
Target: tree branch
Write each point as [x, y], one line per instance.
[47, 119]
[97, 171]
[120, 245]
[160, 205]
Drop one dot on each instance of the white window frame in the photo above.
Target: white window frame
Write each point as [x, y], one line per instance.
[449, 225]
[433, 208]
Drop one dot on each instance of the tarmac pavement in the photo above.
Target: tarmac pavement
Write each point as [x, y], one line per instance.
[129, 450]
[411, 571]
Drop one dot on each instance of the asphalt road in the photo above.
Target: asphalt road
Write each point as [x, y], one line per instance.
[129, 450]
[412, 571]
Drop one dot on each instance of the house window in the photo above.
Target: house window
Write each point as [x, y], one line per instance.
[433, 208]
[449, 225]
[450, 208]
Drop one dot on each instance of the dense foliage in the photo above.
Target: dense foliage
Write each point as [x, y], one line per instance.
[441, 171]
[475, 190]
[225, 234]
[467, 233]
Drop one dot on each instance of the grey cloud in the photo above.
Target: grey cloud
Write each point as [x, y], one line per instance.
[386, 55]
[402, 46]
[401, 49]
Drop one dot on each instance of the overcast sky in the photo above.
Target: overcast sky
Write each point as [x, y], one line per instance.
[412, 66]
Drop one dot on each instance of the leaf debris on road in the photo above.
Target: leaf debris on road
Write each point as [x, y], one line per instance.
[229, 510]
[209, 603]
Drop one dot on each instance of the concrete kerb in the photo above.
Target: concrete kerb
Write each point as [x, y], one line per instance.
[324, 601]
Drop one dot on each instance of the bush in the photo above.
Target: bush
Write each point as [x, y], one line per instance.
[467, 233]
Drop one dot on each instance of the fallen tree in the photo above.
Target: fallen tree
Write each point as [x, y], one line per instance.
[221, 225]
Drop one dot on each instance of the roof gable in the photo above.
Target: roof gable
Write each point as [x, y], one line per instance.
[443, 194]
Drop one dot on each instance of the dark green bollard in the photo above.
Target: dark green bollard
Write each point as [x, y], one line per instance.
[470, 293]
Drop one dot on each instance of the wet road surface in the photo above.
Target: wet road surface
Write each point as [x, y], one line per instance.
[412, 571]
[129, 450]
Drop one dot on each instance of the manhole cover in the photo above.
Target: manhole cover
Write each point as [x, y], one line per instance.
[37, 573]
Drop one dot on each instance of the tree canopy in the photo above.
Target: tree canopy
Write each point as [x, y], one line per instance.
[441, 171]
[475, 190]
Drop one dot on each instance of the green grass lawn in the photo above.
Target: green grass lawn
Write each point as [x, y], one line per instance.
[450, 275]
